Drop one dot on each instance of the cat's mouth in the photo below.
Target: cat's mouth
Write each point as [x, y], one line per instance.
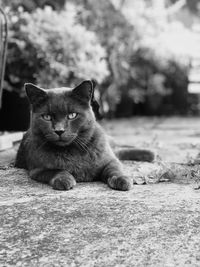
[64, 141]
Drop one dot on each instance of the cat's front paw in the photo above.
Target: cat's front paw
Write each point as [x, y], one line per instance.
[123, 183]
[63, 181]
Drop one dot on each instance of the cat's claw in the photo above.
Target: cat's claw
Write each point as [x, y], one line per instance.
[63, 183]
[122, 183]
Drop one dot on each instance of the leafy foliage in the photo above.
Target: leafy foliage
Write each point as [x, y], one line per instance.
[52, 49]
[31, 5]
[141, 65]
[127, 46]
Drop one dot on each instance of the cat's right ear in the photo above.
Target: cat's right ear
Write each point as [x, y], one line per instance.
[34, 93]
[84, 91]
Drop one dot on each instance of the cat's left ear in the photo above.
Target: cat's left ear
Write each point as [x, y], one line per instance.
[84, 91]
[35, 94]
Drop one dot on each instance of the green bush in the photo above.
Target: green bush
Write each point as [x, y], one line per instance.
[126, 49]
[31, 5]
[51, 49]
[139, 62]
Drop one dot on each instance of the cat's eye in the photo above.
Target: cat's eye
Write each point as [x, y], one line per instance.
[46, 117]
[72, 115]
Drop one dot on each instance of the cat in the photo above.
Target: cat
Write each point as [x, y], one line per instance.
[65, 144]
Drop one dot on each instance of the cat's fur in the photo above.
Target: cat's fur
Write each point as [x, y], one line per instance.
[60, 150]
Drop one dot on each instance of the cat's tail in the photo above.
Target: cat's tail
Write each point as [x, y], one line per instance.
[135, 154]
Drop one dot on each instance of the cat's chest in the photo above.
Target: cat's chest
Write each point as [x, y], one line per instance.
[84, 166]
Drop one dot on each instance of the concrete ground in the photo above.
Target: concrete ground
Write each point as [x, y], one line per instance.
[154, 224]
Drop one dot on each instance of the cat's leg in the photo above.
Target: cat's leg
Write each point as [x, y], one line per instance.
[114, 177]
[58, 179]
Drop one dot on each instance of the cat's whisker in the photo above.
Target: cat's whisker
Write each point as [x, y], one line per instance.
[78, 145]
[50, 137]
[82, 145]
[82, 142]
[38, 148]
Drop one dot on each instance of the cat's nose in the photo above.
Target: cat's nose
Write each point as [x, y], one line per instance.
[60, 132]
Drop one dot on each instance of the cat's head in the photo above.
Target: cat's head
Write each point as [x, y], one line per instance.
[61, 115]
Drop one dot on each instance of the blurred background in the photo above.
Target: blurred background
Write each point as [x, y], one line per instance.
[144, 54]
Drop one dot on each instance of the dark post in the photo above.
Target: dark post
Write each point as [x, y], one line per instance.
[3, 48]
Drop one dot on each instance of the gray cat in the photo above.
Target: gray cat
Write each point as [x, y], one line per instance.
[65, 144]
